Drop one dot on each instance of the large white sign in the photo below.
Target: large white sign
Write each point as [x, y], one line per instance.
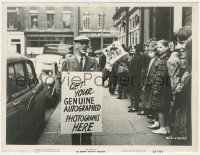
[81, 102]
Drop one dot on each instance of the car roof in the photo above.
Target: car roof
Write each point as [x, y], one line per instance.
[45, 61]
[14, 57]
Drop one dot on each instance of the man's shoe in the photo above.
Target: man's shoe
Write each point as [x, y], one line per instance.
[129, 106]
[161, 131]
[119, 97]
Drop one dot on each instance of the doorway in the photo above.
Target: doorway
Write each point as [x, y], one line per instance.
[18, 48]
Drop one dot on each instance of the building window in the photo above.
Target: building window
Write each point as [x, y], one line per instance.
[130, 24]
[187, 16]
[131, 38]
[41, 41]
[101, 19]
[136, 37]
[12, 21]
[50, 21]
[66, 19]
[137, 20]
[134, 28]
[12, 18]
[34, 21]
[133, 22]
[99, 22]
[86, 22]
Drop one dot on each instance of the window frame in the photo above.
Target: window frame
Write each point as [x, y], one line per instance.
[12, 17]
[36, 25]
[67, 13]
[33, 74]
[13, 11]
[21, 92]
[53, 20]
[86, 22]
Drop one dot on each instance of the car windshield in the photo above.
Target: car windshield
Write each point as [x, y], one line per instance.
[56, 49]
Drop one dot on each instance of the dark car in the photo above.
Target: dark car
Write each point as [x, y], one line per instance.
[26, 99]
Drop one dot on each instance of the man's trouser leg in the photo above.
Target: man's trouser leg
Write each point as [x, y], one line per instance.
[86, 138]
[81, 139]
[76, 139]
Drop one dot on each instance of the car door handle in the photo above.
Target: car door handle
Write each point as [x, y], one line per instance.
[16, 103]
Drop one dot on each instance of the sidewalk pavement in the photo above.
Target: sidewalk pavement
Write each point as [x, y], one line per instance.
[119, 127]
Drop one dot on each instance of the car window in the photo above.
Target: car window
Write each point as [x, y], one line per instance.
[11, 82]
[32, 81]
[16, 79]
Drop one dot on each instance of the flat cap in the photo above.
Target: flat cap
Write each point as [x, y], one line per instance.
[81, 38]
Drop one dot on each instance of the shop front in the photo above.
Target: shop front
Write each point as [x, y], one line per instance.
[35, 41]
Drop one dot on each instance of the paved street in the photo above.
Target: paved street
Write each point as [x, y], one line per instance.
[119, 127]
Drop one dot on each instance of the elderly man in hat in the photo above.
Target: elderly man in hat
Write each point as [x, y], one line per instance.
[80, 61]
[76, 63]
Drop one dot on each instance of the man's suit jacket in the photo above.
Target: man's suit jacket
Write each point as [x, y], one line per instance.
[72, 64]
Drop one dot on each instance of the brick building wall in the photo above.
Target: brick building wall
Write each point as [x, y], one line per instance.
[21, 19]
[37, 33]
[42, 17]
[94, 18]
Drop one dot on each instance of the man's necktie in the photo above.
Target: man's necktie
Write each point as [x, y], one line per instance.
[81, 63]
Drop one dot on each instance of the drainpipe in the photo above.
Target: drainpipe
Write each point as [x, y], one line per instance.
[127, 27]
[141, 30]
